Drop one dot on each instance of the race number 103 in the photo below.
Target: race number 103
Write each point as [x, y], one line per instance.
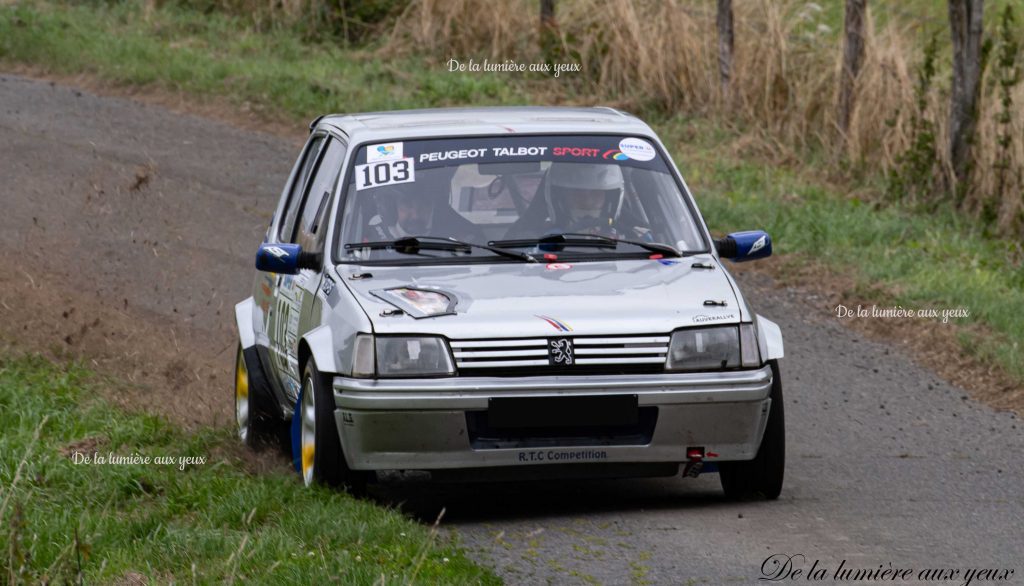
[385, 173]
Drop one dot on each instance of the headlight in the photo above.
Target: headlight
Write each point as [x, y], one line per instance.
[714, 348]
[704, 349]
[398, 356]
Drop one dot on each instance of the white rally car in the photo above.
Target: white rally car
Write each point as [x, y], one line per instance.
[505, 292]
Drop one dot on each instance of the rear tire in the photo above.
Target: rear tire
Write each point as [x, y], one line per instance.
[255, 421]
[763, 475]
[321, 458]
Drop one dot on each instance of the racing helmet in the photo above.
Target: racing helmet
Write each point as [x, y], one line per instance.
[579, 193]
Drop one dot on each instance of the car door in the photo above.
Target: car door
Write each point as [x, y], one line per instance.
[268, 293]
[296, 293]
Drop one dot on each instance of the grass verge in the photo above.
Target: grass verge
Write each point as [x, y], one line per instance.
[919, 258]
[271, 72]
[198, 523]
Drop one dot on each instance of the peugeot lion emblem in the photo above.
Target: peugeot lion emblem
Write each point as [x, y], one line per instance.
[560, 352]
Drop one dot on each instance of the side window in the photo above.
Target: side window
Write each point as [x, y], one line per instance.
[291, 210]
[312, 228]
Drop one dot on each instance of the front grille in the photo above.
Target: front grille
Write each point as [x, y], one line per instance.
[592, 355]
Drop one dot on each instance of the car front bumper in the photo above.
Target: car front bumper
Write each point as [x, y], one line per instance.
[422, 424]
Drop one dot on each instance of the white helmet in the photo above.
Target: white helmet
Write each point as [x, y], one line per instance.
[583, 176]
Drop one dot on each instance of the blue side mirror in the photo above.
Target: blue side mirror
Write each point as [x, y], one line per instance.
[744, 246]
[278, 258]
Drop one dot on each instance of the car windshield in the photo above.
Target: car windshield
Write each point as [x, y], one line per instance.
[585, 197]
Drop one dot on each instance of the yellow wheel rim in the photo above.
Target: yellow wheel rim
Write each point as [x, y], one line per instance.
[241, 396]
[308, 451]
[307, 415]
[241, 381]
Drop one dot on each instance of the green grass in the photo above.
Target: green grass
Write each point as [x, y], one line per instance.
[930, 259]
[207, 523]
[216, 55]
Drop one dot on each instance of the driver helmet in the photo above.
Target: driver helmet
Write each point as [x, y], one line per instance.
[584, 193]
[408, 209]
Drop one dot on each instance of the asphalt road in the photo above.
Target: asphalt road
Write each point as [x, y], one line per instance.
[127, 233]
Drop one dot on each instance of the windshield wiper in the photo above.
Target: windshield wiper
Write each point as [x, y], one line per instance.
[651, 246]
[589, 240]
[413, 245]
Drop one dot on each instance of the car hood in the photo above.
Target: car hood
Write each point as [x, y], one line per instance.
[524, 300]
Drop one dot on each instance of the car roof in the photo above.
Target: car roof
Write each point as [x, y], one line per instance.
[439, 122]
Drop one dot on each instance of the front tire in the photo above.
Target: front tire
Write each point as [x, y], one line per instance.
[255, 421]
[321, 459]
[763, 475]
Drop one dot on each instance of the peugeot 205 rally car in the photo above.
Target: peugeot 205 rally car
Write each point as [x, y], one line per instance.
[510, 292]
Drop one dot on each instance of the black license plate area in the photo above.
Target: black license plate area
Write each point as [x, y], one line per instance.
[550, 412]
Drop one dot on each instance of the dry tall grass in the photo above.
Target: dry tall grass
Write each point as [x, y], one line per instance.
[785, 76]
[663, 54]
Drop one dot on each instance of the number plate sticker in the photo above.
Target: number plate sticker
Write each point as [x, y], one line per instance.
[385, 173]
[562, 411]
